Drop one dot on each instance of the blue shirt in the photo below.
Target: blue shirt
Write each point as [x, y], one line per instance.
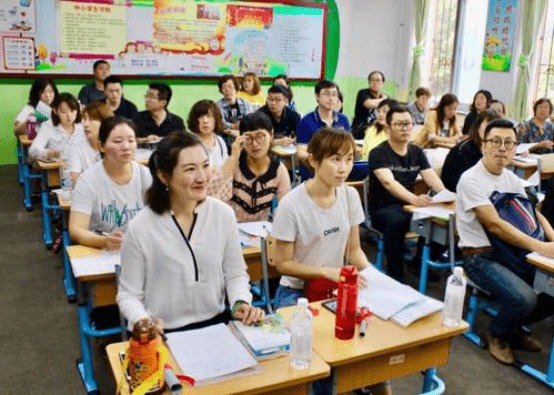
[312, 122]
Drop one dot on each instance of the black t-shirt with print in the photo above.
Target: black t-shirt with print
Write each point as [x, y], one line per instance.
[405, 170]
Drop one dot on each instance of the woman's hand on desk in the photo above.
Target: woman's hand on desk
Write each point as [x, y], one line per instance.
[247, 313]
[546, 248]
[114, 240]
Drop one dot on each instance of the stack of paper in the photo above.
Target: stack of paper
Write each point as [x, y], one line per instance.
[209, 353]
[389, 299]
[285, 149]
[431, 211]
[250, 233]
[103, 263]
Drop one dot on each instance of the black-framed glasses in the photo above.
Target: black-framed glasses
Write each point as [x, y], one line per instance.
[497, 143]
[403, 125]
[260, 138]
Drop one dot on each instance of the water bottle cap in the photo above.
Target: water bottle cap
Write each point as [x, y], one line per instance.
[459, 271]
[302, 302]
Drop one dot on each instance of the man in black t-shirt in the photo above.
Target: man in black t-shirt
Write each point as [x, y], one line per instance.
[394, 166]
[157, 121]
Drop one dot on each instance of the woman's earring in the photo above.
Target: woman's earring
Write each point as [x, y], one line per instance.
[167, 187]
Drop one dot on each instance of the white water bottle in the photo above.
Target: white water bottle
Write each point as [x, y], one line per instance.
[65, 179]
[301, 336]
[454, 298]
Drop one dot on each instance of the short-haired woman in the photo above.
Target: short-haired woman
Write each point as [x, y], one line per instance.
[43, 90]
[181, 257]
[206, 122]
[538, 129]
[251, 90]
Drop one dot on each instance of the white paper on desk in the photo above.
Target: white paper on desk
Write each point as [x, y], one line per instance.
[536, 255]
[143, 153]
[103, 263]
[429, 212]
[416, 311]
[524, 147]
[525, 159]
[384, 296]
[532, 181]
[444, 196]
[209, 353]
[359, 142]
[260, 228]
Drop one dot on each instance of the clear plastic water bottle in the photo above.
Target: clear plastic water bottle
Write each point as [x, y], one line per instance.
[454, 298]
[65, 179]
[301, 336]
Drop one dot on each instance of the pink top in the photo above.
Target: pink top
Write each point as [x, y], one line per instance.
[251, 197]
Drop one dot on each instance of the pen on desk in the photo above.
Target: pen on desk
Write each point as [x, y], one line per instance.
[363, 327]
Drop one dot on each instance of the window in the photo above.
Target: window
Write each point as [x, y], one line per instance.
[544, 78]
[440, 42]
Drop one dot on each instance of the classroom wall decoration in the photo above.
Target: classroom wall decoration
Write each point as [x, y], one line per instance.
[178, 37]
[499, 35]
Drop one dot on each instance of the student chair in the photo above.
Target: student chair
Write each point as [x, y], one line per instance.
[545, 166]
[267, 246]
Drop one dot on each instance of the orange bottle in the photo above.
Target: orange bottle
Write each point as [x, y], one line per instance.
[144, 356]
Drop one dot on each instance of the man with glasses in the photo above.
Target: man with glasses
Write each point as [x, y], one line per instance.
[477, 221]
[283, 118]
[157, 121]
[324, 115]
[394, 166]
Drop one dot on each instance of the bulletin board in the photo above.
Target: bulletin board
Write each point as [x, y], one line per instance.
[168, 38]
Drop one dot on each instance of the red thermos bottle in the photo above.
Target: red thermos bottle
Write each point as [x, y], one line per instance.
[345, 321]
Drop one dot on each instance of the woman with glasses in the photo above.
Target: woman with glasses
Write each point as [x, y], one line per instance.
[250, 179]
[367, 100]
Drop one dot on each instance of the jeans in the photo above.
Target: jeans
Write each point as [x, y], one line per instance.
[520, 305]
[394, 222]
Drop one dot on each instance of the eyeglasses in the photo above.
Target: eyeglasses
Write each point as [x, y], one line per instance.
[260, 138]
[376, 80]
[497, 143]
[275, 99]
[150, 96]
[329, 94]
[402, 125]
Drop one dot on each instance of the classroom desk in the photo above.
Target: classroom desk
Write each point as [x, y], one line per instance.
[101, 290]
[437, 231]
[444, 144]
[544, 282]
[290, 159]
[276, 377]
[526, 170]
[386, 352]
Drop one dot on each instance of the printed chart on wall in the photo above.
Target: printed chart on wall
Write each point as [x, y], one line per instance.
[167, 37]
[499, 35]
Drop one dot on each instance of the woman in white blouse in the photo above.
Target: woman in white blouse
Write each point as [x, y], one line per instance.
[55, 135]
[181, 256]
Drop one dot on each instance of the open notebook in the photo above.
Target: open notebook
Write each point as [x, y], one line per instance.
[389, 299]
[210, 353]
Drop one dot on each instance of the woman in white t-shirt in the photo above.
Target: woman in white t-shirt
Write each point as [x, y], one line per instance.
[56, 135]
[205, 120]
[111, 192]
[43, 92]
[181, 257]
[83, 155]
[316, 225]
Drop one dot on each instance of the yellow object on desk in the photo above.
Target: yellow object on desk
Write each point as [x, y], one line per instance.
[276, 377]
